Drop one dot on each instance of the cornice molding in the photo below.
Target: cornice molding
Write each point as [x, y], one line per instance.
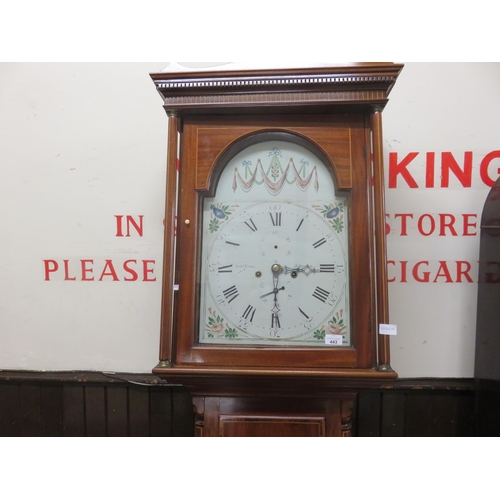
[260, 81]
[362, 83]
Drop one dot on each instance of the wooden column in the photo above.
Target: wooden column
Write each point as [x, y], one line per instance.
[384, 360]
[167, 310]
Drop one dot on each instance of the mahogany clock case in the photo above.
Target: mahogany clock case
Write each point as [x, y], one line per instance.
[334, 112]
[207, 143]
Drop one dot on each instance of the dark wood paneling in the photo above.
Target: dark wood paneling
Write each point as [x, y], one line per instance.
[95, 411]
[416, 412]
[29, 405]
[51, 399]
[160, 412]
[73, 410]
[465, 425]
[442, 415]
[91, 404]
[368, 414]
[487, 407]
[393, 414]
[138, 411]
[9, 410]
[182, 412]
[116, 408]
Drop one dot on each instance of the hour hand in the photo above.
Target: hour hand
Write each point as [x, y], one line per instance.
[275, 291]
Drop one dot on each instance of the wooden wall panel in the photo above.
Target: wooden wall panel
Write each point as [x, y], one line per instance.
[160, 406]
[368, 416]
[89, 404]
[138, 411]
[116, 408]
[393, 414]
[73, 410]
[51, 401]
[9, 410]
[95, 411]
[442, 415]
[29, 410]
[465, 424]
[182, 413]
[32, 404]
[416, 412]
[487, 407]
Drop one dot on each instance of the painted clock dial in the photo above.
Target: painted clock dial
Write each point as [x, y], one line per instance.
[275, 268]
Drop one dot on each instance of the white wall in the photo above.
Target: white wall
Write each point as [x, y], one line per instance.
[80, 144]
[439, 108]
[83, 144]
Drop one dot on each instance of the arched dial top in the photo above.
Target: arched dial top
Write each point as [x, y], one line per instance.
[275, 260]
[212, 151]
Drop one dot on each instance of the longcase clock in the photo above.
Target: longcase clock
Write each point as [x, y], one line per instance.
[275, 280]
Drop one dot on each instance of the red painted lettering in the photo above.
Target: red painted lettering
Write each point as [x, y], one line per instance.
[391, 263]
[89, 268]
[399, 170]
[403, 263]
[396, 169]
[463, 270]
[468, 224]
[85, 270]
[66, 272]
[127, 269]
[421, 278]
[421, 224]
[130, 222]
[485, 164]
[428, 224]
[448, 163]
[119, 232]
[109, 270]
[51, 266]
[404, 217]
[429, 170]
[447, 221]
[437, 272]
[443, 272]
[387, 225]
[147, 270]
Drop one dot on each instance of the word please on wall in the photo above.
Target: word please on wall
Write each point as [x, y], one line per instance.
[99, 270]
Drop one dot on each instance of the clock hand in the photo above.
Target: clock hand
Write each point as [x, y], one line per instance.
[307, 269]
[276, 270]
[275, 320]
[275, 291]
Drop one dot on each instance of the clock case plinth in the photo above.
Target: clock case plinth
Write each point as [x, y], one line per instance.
[338, 109]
